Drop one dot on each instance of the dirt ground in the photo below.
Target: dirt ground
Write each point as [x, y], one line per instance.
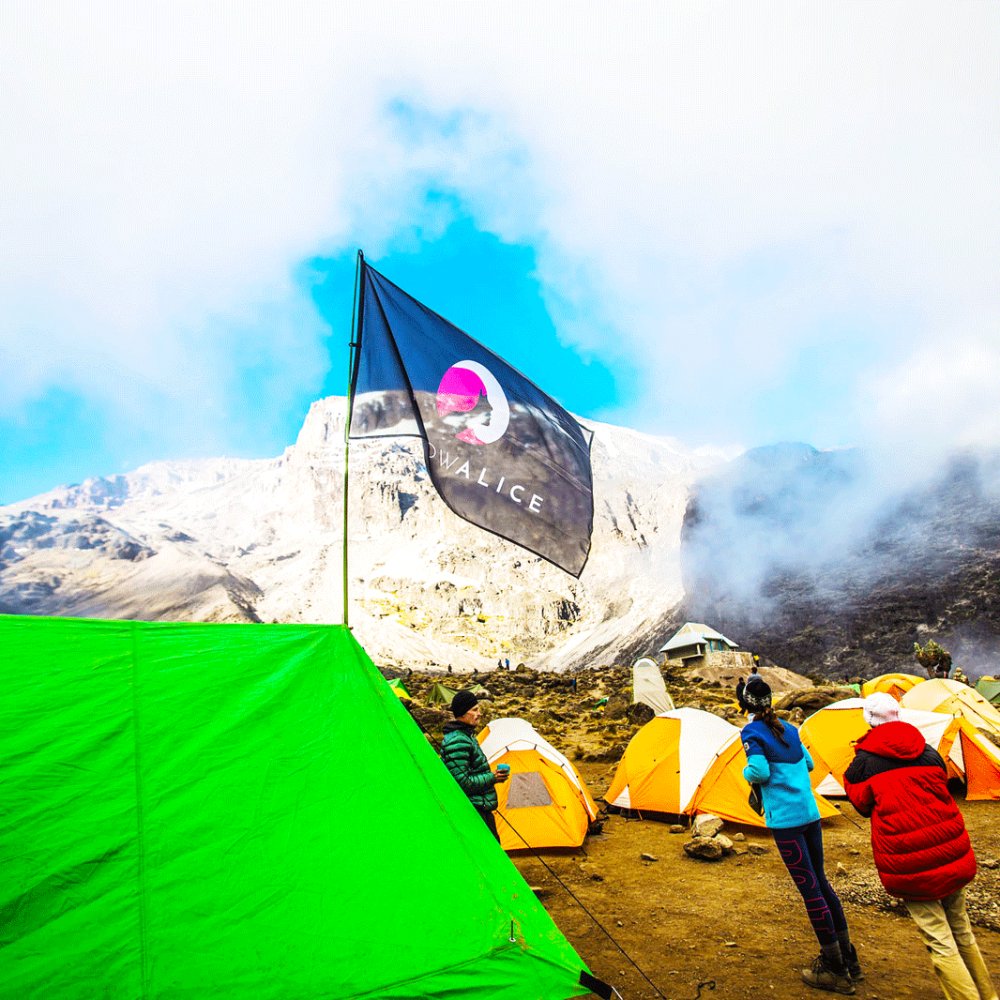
[737, 926]
[682, 928]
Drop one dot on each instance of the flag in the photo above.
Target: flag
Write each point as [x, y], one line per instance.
[500, 452]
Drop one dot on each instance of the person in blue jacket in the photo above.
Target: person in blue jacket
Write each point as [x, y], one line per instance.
[779, 764]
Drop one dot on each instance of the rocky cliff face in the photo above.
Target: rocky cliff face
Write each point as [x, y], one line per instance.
[822, 563]
[261, 540]
[817, 560]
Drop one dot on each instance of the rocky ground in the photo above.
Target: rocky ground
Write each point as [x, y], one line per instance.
[654, 921]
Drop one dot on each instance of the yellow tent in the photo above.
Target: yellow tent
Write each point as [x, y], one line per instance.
[685, 762]
[397, 685]
[954, 698]
[974, 758]
[830, 735]
[895, 684]
[545, 802]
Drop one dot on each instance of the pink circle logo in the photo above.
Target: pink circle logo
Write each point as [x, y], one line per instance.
[462, 390]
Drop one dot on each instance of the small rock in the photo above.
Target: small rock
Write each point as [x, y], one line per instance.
[677, 828]
[854, 852]
[729, 944]
[620, 923]
[841, 870]
[740, 837]
[758, 849]
[724, 842]
[705, 848]
[648, 857]
[739, 850]
[707, 825]
[596, 878]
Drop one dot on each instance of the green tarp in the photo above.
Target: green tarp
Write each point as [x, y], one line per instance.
[990, 690]
[194, 811]
[439, 694]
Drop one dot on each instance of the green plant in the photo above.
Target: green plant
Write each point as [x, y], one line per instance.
[932, 657]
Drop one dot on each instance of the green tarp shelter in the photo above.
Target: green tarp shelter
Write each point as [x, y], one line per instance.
[989, 689]
[439, 694]
[196, 811]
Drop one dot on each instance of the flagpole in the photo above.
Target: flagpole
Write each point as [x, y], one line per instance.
[353, 344]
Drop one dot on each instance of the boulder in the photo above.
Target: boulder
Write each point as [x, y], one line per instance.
[704, 848]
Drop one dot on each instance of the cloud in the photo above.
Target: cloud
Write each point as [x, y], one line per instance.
[716, 192]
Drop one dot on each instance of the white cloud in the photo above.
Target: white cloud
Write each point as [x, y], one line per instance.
[710, 183]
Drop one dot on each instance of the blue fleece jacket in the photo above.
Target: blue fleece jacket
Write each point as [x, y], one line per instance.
[782, 771]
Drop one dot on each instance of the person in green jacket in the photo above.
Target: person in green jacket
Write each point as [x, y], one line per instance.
[466, 761]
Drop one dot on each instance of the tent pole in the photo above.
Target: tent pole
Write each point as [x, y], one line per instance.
[353, 344]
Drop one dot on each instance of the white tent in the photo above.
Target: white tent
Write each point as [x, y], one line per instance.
[648, 687]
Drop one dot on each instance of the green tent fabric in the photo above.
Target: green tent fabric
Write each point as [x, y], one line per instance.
[439, 694]
[989, 689]
[205, 811]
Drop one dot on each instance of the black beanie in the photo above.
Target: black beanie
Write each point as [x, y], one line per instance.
[462, 702]
[757, 693]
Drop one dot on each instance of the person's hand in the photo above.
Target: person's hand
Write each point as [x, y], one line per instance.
[502, 774]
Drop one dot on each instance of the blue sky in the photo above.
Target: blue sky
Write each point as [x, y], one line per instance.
[726, 227]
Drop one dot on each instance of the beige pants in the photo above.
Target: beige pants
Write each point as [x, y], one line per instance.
[958, 963]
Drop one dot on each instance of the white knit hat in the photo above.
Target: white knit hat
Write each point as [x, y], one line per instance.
[881, 707]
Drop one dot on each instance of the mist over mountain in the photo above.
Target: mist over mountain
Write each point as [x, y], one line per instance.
[823, 561]
[838, 562]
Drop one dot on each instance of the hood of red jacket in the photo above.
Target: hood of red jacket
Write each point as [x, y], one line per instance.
[899, 740]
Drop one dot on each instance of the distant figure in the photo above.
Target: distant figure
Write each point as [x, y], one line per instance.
[779, 763]
[573, 685]
[466, 761]
[920, 845]
[753, 670]
[740, 686]
[500, 664]
[449, 668]
[506, 662]
[958, 674]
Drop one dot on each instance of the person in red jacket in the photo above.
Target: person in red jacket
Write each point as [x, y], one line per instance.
[921, 848]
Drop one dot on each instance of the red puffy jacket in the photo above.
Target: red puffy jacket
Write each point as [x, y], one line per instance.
[922, 850]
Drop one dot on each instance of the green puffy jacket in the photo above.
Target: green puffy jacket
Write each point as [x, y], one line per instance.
[463, 756]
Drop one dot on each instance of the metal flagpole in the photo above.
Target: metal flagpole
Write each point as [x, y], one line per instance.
[353, 344]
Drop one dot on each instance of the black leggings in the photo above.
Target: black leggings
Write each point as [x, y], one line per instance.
[801, 848]
[490, 820]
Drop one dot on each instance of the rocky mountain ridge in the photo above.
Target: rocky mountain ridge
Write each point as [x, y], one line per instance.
[823, 562]
[261, 540]
[838, 567]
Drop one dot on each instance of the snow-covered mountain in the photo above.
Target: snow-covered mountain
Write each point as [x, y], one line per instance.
[261, 540]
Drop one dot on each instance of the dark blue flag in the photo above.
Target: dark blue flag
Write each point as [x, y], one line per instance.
[501, 453]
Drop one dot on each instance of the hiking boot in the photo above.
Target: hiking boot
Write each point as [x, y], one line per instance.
[823, 976]
[854, 969]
